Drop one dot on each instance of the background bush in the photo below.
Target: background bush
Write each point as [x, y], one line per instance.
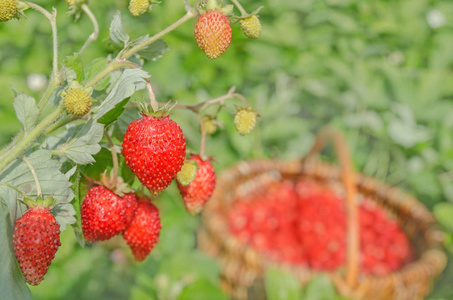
[380, 70]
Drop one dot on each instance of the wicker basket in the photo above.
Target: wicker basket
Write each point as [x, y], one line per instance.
[243, 267]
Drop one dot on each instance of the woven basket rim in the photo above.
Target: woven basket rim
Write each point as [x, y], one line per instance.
[212, 216]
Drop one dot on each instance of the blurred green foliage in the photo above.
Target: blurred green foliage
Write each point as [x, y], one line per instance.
[380, 70]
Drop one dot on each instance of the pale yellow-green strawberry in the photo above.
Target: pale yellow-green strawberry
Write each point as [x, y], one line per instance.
[245, 120]
[138, 7]
[251, 26]
[77, 101]
[187, 173]
[8, 10]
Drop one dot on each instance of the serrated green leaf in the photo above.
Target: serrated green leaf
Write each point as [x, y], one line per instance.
[112, 115]
[281, 285]
[12, 283]
[154, 51]
[117, 32]
[75, 63]
[94, 68]
[52, 181]
[81, 147]
[130, 81]
[26, 110]
[202, 289]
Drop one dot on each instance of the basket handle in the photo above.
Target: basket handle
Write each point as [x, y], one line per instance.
[349, 181]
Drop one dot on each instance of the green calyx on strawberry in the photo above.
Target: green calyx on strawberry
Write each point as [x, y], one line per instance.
[200, 189]
[36, 239]
[155, 148]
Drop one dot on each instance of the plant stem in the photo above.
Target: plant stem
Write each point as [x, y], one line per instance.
[221, 99]
[113, 65]
[94, 36]
[189, 15]
[114, 158]
[30, 137]
[152, 96]
[203, 136]
[60, 123]
[8, 147]
[55, 80]
[239, 6]
[35, 176]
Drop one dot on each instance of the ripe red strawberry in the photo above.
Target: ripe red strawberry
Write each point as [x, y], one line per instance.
[143, 232]
[105, 214]
[213, 33]
[154, 149]
[36, 238]
[200, 189]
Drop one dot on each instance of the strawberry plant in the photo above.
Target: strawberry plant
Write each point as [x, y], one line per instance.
[100, 146]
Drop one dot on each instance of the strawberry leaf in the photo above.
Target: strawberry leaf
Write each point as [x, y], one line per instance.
[130, 81]
[112, 115]
[12, 285]
[26, 110]
[16, 181]
[82, 142]
[117, 32]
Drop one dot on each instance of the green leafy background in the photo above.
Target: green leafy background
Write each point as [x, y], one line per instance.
[382, 71]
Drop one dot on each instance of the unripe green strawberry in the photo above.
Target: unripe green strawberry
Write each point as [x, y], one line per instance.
[143, 232]
[187, 173]
[138, 7]
[213, 33]
[210, 125]
[70, 2]
[77, 101]
[36, 238]
[245, 120]
[251, 26]
[8, 10]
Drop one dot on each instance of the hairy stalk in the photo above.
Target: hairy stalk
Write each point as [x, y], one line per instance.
[239, 6]
[94, 36]
[35, 176]
[55, 80]
[114, 158]
[230, 94]
[203, 136]
[113, 65]
[189, 15]
[60, 123]
[30, 137]
[121, 62]
[152, 96]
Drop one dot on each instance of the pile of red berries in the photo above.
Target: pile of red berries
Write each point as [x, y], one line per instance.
[304, 223]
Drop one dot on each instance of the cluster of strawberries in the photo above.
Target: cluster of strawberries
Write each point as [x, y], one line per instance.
[304, 223]
[155, 150]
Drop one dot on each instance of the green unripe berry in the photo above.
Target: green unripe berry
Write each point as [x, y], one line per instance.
[210, 125]
[251, 27]
[8, 10]
[138, 7]
[187, 173]
[77, 101]
[245, 120]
